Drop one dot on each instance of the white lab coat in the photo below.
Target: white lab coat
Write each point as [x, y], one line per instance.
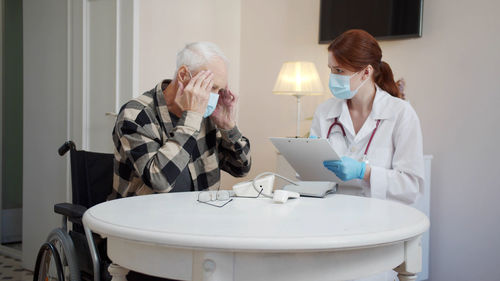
[395, 154]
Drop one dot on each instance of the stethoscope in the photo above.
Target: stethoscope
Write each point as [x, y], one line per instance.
[365, 155]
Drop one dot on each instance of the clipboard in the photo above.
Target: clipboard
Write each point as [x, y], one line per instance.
[306, 157]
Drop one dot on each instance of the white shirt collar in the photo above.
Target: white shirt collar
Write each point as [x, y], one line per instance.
[380, 111]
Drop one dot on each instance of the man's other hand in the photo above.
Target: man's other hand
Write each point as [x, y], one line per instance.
[224, 115]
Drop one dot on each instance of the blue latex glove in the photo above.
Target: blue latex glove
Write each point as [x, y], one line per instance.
[346, 168]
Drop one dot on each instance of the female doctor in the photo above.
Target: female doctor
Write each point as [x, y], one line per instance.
[376, 133]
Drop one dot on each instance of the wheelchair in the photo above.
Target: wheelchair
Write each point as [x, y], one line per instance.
[69, 254]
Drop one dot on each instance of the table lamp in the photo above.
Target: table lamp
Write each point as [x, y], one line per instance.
[298, 78]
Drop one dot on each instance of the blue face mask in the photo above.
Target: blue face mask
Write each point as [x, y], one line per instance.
[340, 86]
[212, 104]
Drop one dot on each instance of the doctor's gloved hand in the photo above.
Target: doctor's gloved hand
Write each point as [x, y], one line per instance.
[346, 168]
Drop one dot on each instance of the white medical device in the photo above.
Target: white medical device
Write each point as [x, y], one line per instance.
[281, 196]
[262, 185]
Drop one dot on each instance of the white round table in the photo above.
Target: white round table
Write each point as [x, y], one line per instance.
[334, 238]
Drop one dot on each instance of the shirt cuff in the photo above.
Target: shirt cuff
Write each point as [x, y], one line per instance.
[232, 135]
[378, 182]
[191, 119]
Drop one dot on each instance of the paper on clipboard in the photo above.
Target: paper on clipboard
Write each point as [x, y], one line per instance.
[306, 157]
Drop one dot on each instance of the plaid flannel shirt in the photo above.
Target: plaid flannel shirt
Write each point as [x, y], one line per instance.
[150, 153]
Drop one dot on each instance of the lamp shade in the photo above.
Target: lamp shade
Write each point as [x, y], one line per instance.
[299, 78]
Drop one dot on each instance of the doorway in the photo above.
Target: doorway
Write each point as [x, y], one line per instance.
[11, 127]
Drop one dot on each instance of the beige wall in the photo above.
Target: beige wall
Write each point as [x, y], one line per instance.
[453, 85]
[273, 32]
[166, 26]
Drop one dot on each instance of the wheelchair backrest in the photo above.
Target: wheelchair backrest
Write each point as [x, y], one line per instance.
[91, 177]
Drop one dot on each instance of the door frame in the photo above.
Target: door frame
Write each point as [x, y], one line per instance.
[78, 109]
[3, 249]
[1, 117]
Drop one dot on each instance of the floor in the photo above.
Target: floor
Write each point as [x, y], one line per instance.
[11, 269]
[15, 246]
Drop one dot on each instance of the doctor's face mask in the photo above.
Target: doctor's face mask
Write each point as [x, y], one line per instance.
[340, 86]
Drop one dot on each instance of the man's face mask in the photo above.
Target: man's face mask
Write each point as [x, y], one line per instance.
[212, 104]
[212, 101]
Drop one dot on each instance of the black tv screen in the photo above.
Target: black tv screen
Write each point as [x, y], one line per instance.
[384, 19]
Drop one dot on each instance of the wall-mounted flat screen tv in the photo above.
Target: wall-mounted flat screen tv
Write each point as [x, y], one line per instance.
[384, 19]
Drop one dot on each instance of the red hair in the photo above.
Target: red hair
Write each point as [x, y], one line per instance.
[355, 49]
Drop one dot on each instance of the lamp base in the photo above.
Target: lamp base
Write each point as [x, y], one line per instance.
[298, 115]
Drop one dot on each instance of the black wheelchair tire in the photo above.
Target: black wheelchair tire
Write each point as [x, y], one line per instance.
[68, 248]
[47, 251]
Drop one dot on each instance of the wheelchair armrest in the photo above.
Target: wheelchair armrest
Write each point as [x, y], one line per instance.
[72, 211]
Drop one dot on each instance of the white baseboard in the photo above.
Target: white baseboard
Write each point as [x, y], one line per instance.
[12, 225]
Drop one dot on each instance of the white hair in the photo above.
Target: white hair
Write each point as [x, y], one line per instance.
[196, 55]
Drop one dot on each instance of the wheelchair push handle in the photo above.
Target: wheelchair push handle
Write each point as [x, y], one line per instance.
[66, 147]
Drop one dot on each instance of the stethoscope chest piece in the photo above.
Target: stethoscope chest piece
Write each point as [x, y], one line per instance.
[365, 159]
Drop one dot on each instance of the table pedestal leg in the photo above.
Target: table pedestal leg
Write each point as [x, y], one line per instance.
[412, 265]
[213, 266]
[119, 273]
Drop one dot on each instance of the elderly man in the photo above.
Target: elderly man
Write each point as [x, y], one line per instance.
[177, 136]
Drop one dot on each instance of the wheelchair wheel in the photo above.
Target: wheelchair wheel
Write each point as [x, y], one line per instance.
[48, 264]
[61, 240]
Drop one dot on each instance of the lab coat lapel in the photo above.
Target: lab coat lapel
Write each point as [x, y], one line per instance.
[335, 110]
[345, 119]
[382, 108]
[380, 111]
[341, 111]
[367, 129]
